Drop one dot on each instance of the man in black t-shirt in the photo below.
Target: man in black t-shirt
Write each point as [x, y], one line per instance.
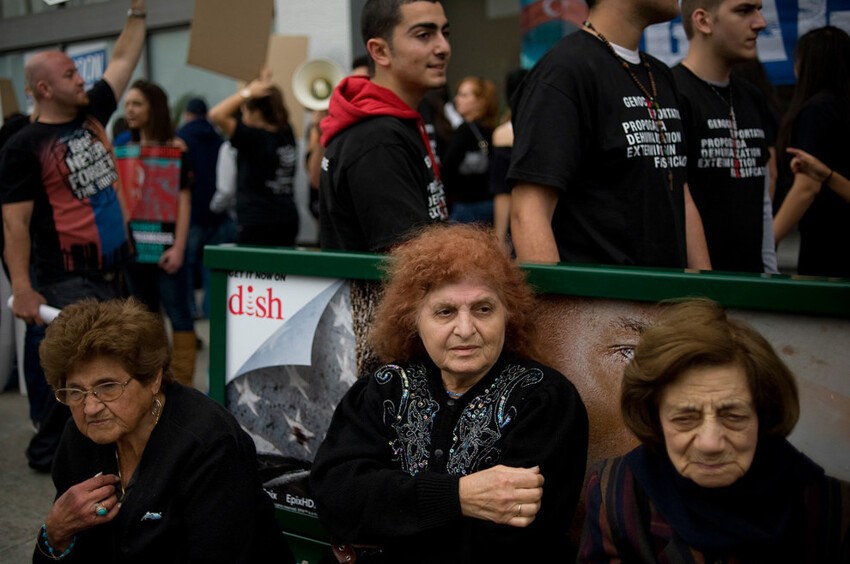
[379, 176]
[726, 120]
[598, 163]
[65, 231]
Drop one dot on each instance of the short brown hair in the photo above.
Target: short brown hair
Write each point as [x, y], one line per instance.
[442, 254]
[123, 330]
[696, 332]
[689, 7]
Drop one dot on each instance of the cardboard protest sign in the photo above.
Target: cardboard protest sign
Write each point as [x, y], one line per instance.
[231, 38]
[285, 53]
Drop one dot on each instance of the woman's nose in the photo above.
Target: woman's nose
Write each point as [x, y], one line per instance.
[464, 327]
[92, 404]
[710, 436]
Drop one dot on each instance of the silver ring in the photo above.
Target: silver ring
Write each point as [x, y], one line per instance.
[100, 510]
[518, 510]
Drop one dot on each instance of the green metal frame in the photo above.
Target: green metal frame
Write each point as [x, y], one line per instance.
[775, 293]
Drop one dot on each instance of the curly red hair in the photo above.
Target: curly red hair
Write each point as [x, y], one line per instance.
[441, 254]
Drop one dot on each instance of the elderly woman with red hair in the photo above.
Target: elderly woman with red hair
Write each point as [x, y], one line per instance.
[462, 447]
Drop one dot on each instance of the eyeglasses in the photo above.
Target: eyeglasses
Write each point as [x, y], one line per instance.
[107, 391]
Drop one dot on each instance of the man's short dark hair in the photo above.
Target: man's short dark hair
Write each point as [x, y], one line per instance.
[379, 17]
[689, 7]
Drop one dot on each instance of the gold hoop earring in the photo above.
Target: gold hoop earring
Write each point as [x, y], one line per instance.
[156, 411]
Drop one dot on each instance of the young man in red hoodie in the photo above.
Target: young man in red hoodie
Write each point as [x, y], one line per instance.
[379, 175]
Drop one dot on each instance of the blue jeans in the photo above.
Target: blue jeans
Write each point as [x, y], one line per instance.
[37, 387]
[469, 212]
[159, 290]
[200, 236]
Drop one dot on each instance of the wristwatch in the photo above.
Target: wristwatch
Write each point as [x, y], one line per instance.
[132, 13]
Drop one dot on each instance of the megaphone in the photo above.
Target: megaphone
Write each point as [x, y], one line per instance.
[313, 83]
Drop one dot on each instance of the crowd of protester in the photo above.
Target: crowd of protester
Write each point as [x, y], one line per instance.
[718, 177]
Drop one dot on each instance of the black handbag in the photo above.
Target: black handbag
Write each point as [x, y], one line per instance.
[476, 162]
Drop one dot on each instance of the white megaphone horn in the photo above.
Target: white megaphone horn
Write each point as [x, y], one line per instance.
[313, 83]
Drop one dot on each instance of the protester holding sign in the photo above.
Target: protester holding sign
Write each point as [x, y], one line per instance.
[266, 156]
[155, 177]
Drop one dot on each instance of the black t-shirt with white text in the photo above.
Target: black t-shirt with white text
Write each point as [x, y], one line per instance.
[583, 126]
[727, 166]
[265, 165]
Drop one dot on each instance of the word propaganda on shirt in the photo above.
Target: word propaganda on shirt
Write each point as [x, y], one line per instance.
[722, 152]
[643, 138]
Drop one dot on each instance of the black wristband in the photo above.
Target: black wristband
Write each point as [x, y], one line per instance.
[828, 176]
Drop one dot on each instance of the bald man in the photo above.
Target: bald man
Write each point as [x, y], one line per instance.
[63, 218]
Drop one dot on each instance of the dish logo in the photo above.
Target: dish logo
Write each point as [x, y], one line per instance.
[263, 305]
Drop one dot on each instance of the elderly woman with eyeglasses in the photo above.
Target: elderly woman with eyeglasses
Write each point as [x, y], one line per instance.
[149, 470]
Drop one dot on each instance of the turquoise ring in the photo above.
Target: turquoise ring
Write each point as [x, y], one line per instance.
[100, 510]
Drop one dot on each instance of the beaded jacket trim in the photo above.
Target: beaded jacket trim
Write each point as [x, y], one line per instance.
[477, 434]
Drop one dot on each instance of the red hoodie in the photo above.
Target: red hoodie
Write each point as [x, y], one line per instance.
[357, 98]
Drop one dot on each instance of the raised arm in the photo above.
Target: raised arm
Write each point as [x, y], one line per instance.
[128, 49]
[222, 113]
